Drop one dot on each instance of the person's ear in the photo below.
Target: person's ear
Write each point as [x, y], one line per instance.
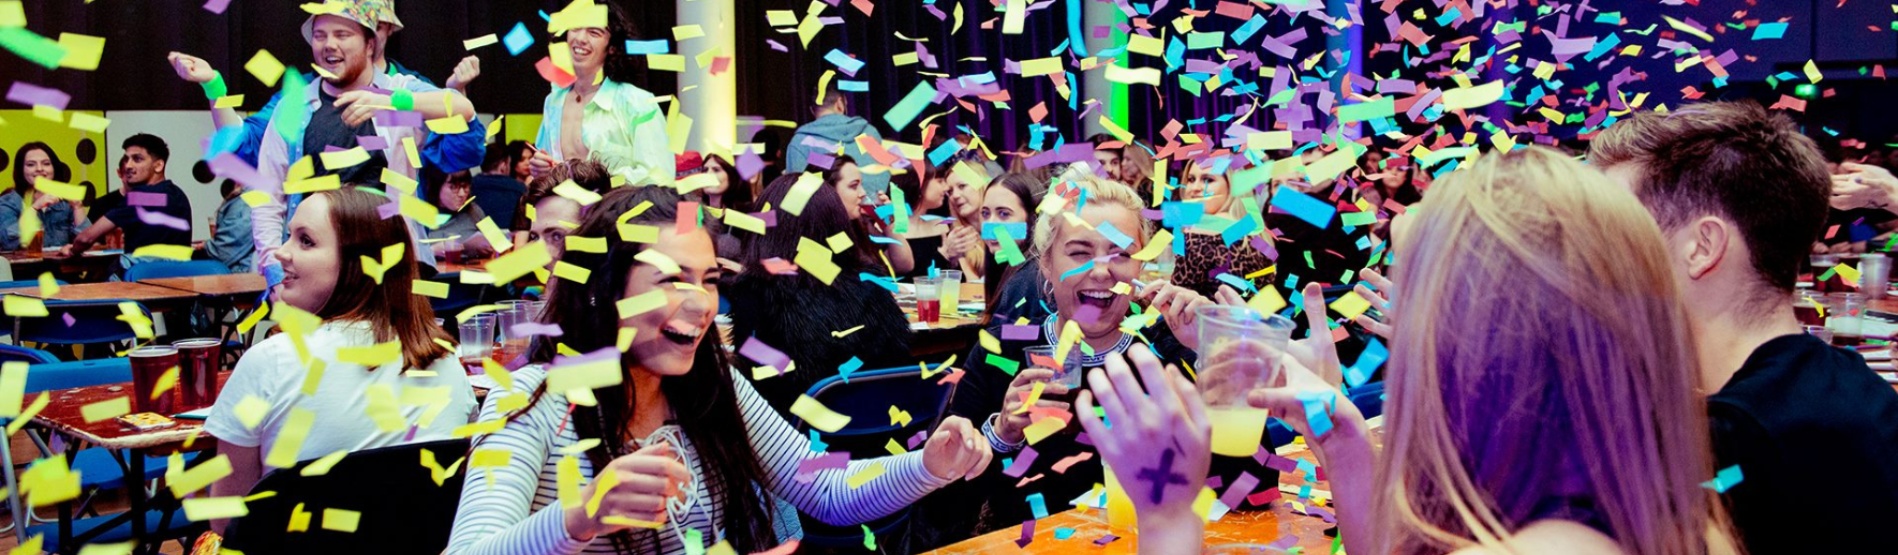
[160, 170]
[1704, 243]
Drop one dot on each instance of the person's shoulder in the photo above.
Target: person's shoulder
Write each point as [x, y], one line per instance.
[272, 353]
[1552, 536]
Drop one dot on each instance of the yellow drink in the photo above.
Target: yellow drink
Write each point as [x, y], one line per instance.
[1120, 509]
[1238, 431]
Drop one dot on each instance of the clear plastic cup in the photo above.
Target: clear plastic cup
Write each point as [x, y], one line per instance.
[1068, 374]
[951, 283]
[1845, 317]
[1227, 373]
[477, 340]
[1874, 274]
[928, 300]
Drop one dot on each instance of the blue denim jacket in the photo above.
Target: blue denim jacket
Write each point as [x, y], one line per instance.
[453, 153]
[56, 220]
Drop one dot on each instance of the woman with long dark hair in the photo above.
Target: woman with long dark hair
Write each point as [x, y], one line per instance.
[35, 162]
[602, 116]
[676, 446]
[324, 276]
[759, 301]
[887, 254]
[1009, 204]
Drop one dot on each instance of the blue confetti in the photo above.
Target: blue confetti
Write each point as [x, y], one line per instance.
[518, 39]
[849, 366]
[1724, 480]
[647, 47]
[1303, 206]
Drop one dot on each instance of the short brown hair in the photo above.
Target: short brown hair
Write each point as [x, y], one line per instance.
[587, 174]
[1730, 159]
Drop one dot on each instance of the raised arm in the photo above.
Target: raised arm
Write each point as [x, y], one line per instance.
[829, 497]
[195, 70]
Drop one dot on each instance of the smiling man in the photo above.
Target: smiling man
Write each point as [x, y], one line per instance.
[343, 108]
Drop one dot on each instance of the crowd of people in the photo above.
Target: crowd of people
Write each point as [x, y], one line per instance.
[1577, 344]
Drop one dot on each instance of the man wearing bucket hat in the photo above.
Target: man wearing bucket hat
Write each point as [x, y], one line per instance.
[440, 151]
[352, 101]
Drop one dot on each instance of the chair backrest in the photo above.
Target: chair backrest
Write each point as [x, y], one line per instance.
[79, 373]
[867, 397]
[158, 269]
[92, 322]
[401, 508]
[15, 353]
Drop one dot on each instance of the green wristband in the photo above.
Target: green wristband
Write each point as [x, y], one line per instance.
[215, 89]
[402, 99]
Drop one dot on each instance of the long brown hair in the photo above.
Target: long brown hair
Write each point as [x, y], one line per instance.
[1542, 369]
[391, 309]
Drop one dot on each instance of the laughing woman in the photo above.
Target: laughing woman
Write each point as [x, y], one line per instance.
[693, 450]
[330, 234]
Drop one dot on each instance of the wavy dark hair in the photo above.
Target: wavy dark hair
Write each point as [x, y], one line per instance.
[738, 195]
[704, 399]
[824, 216]
[620, 66]
[61, 172]
[391, 308]
[859, 227]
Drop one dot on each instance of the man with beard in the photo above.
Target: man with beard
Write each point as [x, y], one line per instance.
[343, 107]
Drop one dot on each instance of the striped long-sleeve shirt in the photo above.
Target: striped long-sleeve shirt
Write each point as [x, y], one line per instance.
[515, 509]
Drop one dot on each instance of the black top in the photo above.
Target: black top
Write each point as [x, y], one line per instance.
[928, 252]
[1333, 249]
[105, 204]
[796, 315]
[326, 129]
[497, 195]
[1815, 433]
[140, 234]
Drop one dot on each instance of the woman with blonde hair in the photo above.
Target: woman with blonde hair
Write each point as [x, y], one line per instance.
[1207, 182]
[1541, 395]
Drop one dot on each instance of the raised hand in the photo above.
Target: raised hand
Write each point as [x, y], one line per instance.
[1863, 186]
[1380, 300]
[465, 73]
[640, 484]
[360, 106]
[956, 450]
[1160, 445]
[191, 68]
[1316, 351]
[1176, 304]
[541, 164]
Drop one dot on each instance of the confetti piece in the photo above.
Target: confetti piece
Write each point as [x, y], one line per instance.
[518, 39]
[912, 105]
[212, 508]
[107, 409]
[817, 415]
[1725, 479]
[265, 67]
[1472, 97]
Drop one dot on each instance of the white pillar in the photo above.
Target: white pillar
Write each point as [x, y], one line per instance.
[1094, 83]
[710, 100]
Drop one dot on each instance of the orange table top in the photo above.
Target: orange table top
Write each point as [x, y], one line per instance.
[132, 291]
[213, 286]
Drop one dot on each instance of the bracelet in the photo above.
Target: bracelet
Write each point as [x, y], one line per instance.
[215, 88]
[996, 443]
[402, 100]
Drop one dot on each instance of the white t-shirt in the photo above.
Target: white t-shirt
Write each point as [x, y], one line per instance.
[270, 371]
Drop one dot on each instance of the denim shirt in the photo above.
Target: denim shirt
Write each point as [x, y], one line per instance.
[232, 243]
[623, 129]
[56, 220]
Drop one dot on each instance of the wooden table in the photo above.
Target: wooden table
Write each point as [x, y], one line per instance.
[116, 290]
[224, 285]
[64, 415]
[1278, 526]
[94, 264]
[953, 333]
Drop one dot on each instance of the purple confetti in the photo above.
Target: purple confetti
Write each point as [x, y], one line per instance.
[145, 199]
[229, 166]
[389, 209]
[154, 217]
[1027, 533]
[372, 142]
[807, 469]
[1020, 466]
[1241, 487]
[918, 439]
[764, 354]
[35, 95]
[395, 118]
[1107, 539]
[1284, 542]
[1012, 332]
[749, 164]
[70, 320]
[525, 329]
[216, 6]
[778, 46]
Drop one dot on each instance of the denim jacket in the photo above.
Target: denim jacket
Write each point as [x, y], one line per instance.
[56, 220]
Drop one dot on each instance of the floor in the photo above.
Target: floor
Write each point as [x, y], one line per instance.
[24, 451]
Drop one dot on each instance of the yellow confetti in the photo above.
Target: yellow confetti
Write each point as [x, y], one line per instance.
[107, 409]
[26, 307]
[198, 477]
[817, 415]
[212, 508]
[428, 288]
[869, 472]
[265, 67]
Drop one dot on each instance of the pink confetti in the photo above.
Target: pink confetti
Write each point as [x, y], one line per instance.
[154, 217]
[807, 469]
[216, 6]
[525, 329]
[35, 95]
[145, 199]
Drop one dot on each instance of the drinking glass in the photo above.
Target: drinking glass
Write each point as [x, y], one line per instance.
[477, 341]
[1226, 374]
[1068, 375]
[1874, 274]
[1845, 316]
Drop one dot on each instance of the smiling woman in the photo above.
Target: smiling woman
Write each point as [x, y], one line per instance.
[693, 447]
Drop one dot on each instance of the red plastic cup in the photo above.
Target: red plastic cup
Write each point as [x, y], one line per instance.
[198, 365]
[148, 363]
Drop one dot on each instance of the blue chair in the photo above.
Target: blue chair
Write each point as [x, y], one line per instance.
[14, 353]
[6, 322]
[171, 269]
[866, 398]
[94, 323]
